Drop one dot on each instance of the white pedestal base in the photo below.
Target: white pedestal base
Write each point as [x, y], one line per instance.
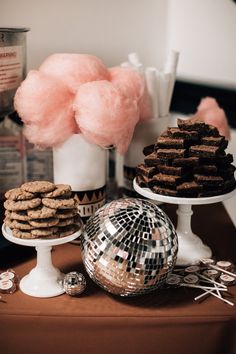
[44, 280]
[191, 248]
[33, 287]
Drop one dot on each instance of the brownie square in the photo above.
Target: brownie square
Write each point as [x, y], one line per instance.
[170, 143]
[190, 125]
[210, 130]
[203, 151]
[210, 193]
[171, 170]
[163, 180]
[142, 181]
[205, 170]
[148, 149]
[223, 160]
[164, 191]
[175, 132]
[186, 162]
[208, 181]
[227, 172]
[171, 153]
[229, 185]
[215, 141]
[212, 140]
[153, 160]
[148, 171]
[190, 187]
[198, 125]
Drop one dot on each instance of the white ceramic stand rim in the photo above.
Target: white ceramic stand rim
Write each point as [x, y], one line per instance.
[44, 280]
[191, 248]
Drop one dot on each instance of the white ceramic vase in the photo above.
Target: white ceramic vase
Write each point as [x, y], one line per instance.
[83, 166]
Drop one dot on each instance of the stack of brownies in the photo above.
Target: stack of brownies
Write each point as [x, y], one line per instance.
[188, 161]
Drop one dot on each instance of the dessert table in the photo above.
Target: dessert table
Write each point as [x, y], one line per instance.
[165, 321]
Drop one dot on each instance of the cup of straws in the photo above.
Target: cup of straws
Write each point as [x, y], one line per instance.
[159, 85]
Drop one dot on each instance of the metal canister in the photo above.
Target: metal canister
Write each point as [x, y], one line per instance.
[12, 65]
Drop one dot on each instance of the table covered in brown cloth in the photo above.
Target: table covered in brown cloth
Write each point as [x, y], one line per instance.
[166, 321]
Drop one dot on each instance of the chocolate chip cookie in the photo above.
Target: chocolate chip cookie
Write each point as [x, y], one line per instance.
[61, 190]
[21, 204]
[38, 187]
[45, 223]
[18, 194]
[59, 203]
[41, 212]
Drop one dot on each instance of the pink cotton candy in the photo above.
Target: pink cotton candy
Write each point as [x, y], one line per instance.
[128, 81]
[39, 99]
[52, 134]
[45, 106]
[131, 83]
[74, 69]
[104, 116]
[210, 112]
[145, 106]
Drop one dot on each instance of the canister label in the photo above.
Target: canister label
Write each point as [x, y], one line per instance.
[11, 67]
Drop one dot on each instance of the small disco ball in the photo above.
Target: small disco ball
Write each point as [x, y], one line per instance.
[129, 247]
[74, 283]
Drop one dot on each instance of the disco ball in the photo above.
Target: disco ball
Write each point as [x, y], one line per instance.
[74, 283]
[129, 247]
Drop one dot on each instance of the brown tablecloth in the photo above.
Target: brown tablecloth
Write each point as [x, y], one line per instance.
[166, 321]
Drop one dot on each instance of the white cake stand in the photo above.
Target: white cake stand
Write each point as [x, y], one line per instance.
[191, 247]
[44, 280]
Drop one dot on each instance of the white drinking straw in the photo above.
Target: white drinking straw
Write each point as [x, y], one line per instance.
[164, 94]
[151, 82]
[171, 62]
[201, 287]
[135, 62]
[211, 280]
[171, 68]
[134, 59]
[214, 294]
[208, 292]
[205, 293]
[218, 292]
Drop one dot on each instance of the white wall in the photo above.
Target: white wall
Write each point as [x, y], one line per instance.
[109, 29]
[204, 31]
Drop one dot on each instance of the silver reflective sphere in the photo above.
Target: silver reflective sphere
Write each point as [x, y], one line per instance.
[129, 247]
[74, 283]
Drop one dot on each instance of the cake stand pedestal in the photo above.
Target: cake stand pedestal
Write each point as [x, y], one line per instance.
[44, 280]
[191, 247]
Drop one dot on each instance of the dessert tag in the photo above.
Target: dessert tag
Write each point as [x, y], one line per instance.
[8, 282]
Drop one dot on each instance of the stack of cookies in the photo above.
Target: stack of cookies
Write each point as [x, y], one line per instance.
[41, 209]
[188, 161]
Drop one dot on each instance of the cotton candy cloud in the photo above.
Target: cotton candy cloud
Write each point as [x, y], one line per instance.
[210, 112]
[104, 115]
[76, 93]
